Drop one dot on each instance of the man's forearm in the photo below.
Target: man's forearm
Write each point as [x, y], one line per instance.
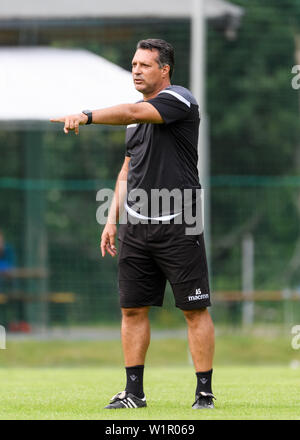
[123, 114]
[117, 205]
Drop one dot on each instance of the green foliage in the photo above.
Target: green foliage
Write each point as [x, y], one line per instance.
[254, 141]
[254, 130]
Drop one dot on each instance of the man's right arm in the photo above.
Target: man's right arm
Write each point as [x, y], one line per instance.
[115, 212]
[122, 114]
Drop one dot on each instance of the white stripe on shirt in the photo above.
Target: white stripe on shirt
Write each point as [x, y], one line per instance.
[177, 95]
[143, 217]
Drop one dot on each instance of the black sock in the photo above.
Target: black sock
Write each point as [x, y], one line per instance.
[204, 381]
[134, 383]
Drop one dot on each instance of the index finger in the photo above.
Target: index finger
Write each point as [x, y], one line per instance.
[57, 119]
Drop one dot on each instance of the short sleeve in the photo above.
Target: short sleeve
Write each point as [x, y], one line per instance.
[171, 106]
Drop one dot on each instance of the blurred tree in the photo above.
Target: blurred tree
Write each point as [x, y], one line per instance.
[254, 139]
[254, 131]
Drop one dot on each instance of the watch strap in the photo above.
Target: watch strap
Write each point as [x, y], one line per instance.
[89, 114]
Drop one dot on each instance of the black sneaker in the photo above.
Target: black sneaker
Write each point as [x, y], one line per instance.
[126, 400]
[204, 401]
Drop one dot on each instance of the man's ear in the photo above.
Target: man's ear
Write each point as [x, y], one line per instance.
[166, 70]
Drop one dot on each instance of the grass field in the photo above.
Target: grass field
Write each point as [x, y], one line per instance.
[253, 379]
[232, 348]
[81, 393]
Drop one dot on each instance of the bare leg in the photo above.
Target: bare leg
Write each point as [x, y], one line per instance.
[201, 338]
[135, 332]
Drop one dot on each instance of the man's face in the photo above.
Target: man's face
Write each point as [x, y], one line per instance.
[146, 73]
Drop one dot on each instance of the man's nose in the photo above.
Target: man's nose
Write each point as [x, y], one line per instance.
[136, 70]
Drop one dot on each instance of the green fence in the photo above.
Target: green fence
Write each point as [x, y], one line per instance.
[63, 280]
[49, 181]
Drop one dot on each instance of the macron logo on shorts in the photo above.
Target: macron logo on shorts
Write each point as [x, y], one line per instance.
[198, 295]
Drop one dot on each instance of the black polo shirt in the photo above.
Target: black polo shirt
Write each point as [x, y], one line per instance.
[164, 156]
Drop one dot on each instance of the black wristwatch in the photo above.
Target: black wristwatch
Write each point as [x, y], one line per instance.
[89, 114]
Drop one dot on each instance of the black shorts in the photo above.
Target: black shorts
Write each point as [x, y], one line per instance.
[151, 254]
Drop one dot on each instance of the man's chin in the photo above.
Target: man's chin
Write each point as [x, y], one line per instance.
[140, 87]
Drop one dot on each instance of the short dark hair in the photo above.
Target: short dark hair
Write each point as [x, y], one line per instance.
[165, 51]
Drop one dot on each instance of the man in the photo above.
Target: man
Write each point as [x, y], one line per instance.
[7, 263]
[6, 256]
[161, 153]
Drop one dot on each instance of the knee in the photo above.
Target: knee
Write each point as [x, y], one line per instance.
[194, 316]
[135, 313]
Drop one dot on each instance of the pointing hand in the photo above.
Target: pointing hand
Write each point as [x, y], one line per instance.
[72, 122]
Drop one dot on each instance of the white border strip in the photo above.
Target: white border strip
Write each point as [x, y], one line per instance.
[143, 217]
[181, 98]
